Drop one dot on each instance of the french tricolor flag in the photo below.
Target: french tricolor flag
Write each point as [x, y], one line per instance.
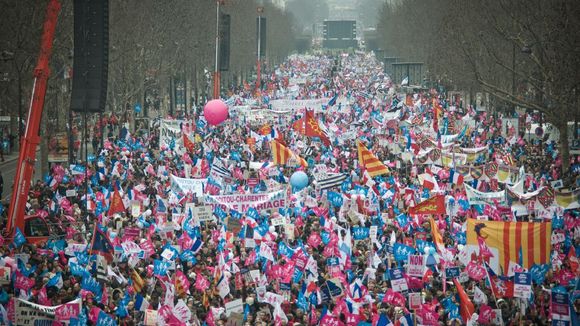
[197, 243]
[455, 177]
[141, 303]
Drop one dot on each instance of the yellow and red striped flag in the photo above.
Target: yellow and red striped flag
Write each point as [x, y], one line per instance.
[369, 161]
[522, 243]
[437, 238]
[282, 155]
[138, 282]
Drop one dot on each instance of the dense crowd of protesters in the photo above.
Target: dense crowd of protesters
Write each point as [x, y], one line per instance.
[290, 286]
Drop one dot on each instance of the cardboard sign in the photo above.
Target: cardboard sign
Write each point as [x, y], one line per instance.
[167, 254]
[150, 317]
[560, 308]
[331, 289]
[235, 306]
[415, 301]
[523, 285]
[5, 273]
[135, 208]
[416, 265]
[281, 220]
[463, 277]
[373, 232]
[132, 232]
[71, 193]
[498, 320]
[203, 213]
[261, 293]
[289, 231]
[398, 281]
[452, 272]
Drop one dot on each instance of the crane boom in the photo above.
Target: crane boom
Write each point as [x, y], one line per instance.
[29, 143]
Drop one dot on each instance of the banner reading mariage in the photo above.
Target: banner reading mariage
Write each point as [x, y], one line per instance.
[293, 105]
[241, 202]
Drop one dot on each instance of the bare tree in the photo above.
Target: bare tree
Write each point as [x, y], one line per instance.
[524, 53]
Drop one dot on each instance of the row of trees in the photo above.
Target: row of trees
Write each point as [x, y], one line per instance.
[149, 41]
[525, 53]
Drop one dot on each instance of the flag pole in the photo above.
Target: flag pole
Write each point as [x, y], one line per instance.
[491, 285]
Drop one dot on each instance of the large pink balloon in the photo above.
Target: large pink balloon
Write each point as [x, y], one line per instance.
[215, 112]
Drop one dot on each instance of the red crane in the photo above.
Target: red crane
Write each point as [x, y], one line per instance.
[29, 143]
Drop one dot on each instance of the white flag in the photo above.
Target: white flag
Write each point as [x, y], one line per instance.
[479, 297]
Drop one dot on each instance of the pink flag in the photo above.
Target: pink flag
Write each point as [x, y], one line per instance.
[43, 298]
[201, 283]
[314, 240]
[484, 249]
[486, 314]
[22, 282]
[475, 271]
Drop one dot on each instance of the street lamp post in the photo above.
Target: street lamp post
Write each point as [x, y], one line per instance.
[514, 75]
[258, 63]
[216, 73]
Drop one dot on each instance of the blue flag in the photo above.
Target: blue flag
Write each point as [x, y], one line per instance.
[77, 270]
[253, 213]
[19, 238]
[360, 233]
[82, 257]
[538, 272]
[160, 267]
[402, 251]
[55, 281]
[22, 267]
[90, 284]
[105, 319]
[284, 250]
[219, 211]
[188, 255]
[335, 198]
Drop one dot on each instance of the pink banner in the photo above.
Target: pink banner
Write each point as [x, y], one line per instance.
[67, 310]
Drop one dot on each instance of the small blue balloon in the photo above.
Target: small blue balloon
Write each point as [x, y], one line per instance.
[299, 180]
